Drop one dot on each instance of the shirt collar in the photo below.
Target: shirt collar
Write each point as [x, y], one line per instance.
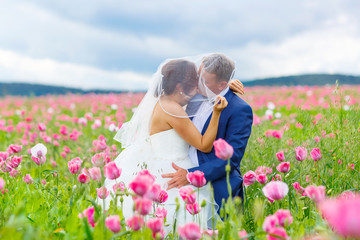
[223, 92]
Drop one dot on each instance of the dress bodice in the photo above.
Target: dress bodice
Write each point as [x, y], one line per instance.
[168, 145]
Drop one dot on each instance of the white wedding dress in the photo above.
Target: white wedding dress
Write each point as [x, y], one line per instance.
[156, 153]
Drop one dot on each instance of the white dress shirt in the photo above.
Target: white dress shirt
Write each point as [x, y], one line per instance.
[199, 121]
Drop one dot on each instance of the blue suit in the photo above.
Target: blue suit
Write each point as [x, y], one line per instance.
[234, 127]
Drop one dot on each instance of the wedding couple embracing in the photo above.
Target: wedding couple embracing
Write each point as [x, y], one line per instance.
[190, 103]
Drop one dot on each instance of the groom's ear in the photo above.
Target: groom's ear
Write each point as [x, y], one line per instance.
[222, 85]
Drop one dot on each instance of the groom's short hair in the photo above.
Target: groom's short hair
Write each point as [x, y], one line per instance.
[220, 65]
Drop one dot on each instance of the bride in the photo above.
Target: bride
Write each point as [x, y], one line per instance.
[160, 133]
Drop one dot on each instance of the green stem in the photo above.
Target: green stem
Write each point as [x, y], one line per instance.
[212, 210]
[116, 197]
[245, 201]
[198, 193]
[228, 178]
[104, 218]
[318, 174]
[289, 193]
[40, 173]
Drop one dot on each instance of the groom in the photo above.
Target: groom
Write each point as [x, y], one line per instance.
[234, 127]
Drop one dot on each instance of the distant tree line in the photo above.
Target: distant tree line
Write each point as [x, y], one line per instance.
[308, 79]
[26, 89]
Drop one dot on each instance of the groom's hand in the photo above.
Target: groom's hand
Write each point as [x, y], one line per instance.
[178, 179]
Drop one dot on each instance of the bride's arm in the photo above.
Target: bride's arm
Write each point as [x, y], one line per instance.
[187, 130]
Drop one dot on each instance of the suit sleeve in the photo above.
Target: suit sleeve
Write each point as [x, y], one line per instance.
[238, 131]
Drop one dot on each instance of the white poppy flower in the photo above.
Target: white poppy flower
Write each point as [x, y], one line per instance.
[39, 150]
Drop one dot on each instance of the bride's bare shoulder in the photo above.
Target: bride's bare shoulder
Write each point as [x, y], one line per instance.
[172, 108]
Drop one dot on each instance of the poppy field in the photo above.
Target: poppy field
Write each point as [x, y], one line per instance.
[301, 170]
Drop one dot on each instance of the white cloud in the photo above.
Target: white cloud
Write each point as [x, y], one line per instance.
[19, 68]
[36, 32]
[115, 42]
[334, 49]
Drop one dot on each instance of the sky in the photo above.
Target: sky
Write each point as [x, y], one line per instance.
[117, 44]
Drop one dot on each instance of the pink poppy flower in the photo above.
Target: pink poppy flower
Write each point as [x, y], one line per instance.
[343, 215]
[14, 149]
[193, 208]
[277, 233]
[111, 171]
[190, 231]
[316, 193]
[270, 222]
[280, 156]
[188, 194]
[210, 232]
[315, 154]
[15, 161]
[300, 153]
[102, 192]
[2, 184]
[42, 127]
[83, 178]
[263, 169]
[118, 186]
[28, 179]
[99, 160]
[162, 197]
[74, 165]
[95, 173]
[242, 234]
[261, 178]
[275, 190]
[3, 156]
[113, 223]
[14, 173]
[67, 149]
[63, 130]
[284, 217]
[196, 178]
[347, 195]
[142, 183]
[299, 189]
[135, 223]
[277, 177]
[160, 212]
[283, 167]
[277, 134]
[268, 133]
[256, 120]
[143, 206]
[155, 224]
[249, 178]
[89, 214]
[223, 150]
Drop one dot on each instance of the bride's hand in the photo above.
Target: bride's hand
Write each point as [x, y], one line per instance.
[221, 103]
[236, 86]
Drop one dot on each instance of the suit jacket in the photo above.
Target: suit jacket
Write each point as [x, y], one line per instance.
[234, 127]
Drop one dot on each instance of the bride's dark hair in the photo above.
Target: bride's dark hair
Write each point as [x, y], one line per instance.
[178, 71]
